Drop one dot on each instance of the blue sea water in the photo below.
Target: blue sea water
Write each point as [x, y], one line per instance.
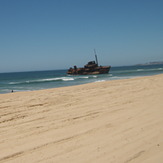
[28, 81]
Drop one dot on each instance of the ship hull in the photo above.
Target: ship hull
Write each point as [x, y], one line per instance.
[89, 71]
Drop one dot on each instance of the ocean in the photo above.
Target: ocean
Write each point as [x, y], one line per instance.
[37, 80]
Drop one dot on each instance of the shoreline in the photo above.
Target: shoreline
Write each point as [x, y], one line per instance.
[112, 121]
[78, 84]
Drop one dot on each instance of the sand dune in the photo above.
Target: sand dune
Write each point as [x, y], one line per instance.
[107, 122]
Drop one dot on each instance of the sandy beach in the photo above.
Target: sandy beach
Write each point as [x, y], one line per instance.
[118, 121]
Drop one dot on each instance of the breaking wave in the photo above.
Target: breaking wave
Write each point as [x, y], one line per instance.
[61, 79]
[43, 80]
[153, 69]
[138, 70]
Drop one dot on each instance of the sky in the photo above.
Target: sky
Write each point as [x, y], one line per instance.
[57, 34]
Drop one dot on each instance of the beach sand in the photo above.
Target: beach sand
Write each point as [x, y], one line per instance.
[118, 121]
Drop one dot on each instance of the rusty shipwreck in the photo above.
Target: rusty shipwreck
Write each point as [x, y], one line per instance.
[91, 68]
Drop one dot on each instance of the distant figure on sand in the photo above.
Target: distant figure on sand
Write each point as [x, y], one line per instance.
[12, 91]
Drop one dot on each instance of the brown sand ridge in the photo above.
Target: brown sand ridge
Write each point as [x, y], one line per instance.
[107, 122]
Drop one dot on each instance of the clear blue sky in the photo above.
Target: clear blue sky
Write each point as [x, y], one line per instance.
[57, 34]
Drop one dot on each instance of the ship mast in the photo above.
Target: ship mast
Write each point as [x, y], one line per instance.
[96, 57]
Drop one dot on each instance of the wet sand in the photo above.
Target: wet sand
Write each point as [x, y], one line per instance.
[105, 122]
